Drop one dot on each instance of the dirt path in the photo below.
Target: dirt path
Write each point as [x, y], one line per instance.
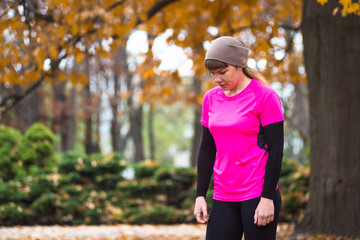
[116, 232]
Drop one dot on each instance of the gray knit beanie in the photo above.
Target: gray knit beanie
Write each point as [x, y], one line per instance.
[229, 50]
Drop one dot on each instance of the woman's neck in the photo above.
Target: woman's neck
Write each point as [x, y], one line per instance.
[243, 83]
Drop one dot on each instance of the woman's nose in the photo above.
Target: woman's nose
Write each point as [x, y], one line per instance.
[217, 79]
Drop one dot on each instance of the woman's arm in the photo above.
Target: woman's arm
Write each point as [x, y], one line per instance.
[206, 159]
[274, 138]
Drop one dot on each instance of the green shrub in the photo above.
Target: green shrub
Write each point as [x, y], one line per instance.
[289, 166]
[89, 189]
[40, 185]
[102, 170]
[138, 188]
[183, 180]
[145, 169]
[71, 178]
[12, 191]
[38, 147]
[107, 181]
[155, 214]
[12, 214]
[294, 188]
[45, 209]
[71, 211]
[93, 216]
[71, 162]
[10, 142]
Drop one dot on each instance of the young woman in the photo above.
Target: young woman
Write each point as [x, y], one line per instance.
[242, 146]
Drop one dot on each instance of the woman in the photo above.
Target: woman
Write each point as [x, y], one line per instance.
[242, 146]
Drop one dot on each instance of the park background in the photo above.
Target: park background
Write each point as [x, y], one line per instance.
[101, 101]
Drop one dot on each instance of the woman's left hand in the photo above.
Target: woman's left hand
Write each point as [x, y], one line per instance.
[264, 213]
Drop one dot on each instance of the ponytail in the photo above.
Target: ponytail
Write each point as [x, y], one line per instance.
[251, 73]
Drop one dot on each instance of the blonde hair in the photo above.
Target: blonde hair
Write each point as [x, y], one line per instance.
[212, 64]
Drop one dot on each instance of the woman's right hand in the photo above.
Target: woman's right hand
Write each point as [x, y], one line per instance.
[200, 210]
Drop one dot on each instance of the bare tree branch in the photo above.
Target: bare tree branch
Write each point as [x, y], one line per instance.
[16, 98]
[158, 6]
[114, 5]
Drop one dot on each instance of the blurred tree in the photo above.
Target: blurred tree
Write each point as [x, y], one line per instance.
[93, 28]
[332, 52]
[55, 30]
[119, 63]
[91, 115]
[60, 121]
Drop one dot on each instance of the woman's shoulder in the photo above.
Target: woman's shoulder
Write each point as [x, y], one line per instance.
[262, 89]
[212, 91]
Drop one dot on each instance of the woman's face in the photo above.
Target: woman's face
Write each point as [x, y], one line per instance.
[227, 78]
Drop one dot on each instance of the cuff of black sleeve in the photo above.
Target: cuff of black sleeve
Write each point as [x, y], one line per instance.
[269, 195]
[199, 193]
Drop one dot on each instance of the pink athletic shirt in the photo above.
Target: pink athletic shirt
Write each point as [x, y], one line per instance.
[236, 124]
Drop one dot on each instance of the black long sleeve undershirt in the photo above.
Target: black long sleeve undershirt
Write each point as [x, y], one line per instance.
[274, 138]
[206, 159]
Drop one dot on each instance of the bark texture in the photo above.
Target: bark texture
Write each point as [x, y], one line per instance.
[197, 84]
[332, 57]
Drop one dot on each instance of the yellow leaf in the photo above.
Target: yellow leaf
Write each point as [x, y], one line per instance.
[86, 27]
[322, 2]
[48, 79]
[10, 77]
[70, 17]
[75, 29]
[4, 62]
[141, 97]
[32, 76]
[73, 79]
[104, 53]
[61, 31]
[40, 55]
[79, 57]
[355, 7]
[53, 52]
[61, 76]
[82, 79]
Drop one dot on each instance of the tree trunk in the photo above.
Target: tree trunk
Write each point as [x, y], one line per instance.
[197, 125]
[91, 114]
[61, 121]
[332, 55]
[88, 120]
[135, 114]
[122, 75]
[115, 125]
[136, 132]
[68, 139]
[150, 127]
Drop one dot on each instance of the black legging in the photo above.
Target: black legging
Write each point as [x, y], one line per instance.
[230, 220]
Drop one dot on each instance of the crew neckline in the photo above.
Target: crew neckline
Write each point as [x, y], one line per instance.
[238, 94]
